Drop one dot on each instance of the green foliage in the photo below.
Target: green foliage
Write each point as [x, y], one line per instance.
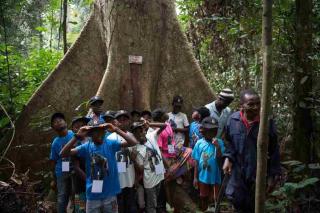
[34, 49]
[297, 191]
[26, 72]
[226, 39]
[35, 69]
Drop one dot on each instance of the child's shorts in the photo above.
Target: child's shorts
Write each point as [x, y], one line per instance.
[208, 190]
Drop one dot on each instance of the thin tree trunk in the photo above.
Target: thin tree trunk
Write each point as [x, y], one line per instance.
[11, 108]
[40, 32]
[263, 139]
[64, 25]
[302, 120]
[51, 29]
[60, 23]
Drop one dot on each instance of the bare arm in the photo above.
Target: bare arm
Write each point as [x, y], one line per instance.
[160, 126]
[78, 170]
[182, 130]
[53, 183]
[218, 148]
[157, 124]
[137, 165]
[195, 176]
[130, 140]
[68, 150]
[52, 169]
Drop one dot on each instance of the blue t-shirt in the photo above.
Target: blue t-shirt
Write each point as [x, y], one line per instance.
[205, 153]
[56, 147]
[194, 133]
[108, 169]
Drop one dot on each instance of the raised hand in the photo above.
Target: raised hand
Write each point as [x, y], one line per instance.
[82, 133]
[108, 126]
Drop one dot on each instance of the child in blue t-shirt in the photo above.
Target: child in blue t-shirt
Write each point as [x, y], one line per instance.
[102, 182]
[207, 174]
[79, 177]
[61, 165]
[194, 131]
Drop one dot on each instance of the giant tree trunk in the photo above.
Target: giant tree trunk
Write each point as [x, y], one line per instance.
[263, 139]
[149, 29]
[302, 120]
[98, 64]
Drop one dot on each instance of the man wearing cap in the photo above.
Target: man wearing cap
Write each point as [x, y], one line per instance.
[95, 104]
[241, 152]
[126, 199]
[178, 120]
[79, 167]
[219, 109]
[61, 165]
[207, 174]
[102, 183]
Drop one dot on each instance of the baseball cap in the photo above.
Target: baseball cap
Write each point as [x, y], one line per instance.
[109, 114]
[122, 113]
[95, 99]
[209, 123]
[80, 118]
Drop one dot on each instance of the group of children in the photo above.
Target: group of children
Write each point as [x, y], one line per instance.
[121, 162]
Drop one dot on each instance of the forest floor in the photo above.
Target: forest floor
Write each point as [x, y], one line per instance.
[19, 194]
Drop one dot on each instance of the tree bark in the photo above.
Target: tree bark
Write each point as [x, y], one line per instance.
[149, 29]
[263, 139]
[98, 64]
[64, 25]
[302, 120]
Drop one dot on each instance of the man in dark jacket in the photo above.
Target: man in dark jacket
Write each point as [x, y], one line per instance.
[241, 152]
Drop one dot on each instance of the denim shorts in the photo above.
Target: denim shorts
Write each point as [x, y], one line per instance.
[108, 205]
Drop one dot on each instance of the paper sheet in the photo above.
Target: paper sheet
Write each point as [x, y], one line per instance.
[65, 166]
[97, 186]
[122, 167]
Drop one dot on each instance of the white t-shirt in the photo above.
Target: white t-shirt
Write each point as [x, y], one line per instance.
[179, 120]
[127, 178]
[149, 155]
